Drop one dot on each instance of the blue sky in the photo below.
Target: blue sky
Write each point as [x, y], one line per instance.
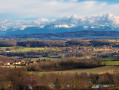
[51, 9]
[109, 1]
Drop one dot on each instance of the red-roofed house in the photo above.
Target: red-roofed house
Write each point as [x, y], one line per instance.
[6, 63]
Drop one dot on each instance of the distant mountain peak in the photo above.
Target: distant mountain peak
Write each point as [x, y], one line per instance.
[105, 22]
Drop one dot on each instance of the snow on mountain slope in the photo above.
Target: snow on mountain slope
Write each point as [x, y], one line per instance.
[107, 19]
[94, 22]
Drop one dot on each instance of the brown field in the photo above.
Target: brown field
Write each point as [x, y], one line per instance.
[99, 70]
[12, 66]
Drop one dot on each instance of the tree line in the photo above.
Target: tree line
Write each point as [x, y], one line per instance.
[56, 43]
[64, 64]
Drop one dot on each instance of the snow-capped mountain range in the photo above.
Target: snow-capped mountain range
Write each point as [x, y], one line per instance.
[107, 22]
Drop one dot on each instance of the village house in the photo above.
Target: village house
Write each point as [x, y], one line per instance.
[33, 62]
[16, 63]
[8, 51]
[6, 63]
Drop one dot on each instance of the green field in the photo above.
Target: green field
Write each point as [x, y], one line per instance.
[49, 58]
[110, 63]
[109, 58]
[26, 49]
[2, 48]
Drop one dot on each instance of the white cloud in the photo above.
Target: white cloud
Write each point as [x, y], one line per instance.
[55, 8]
